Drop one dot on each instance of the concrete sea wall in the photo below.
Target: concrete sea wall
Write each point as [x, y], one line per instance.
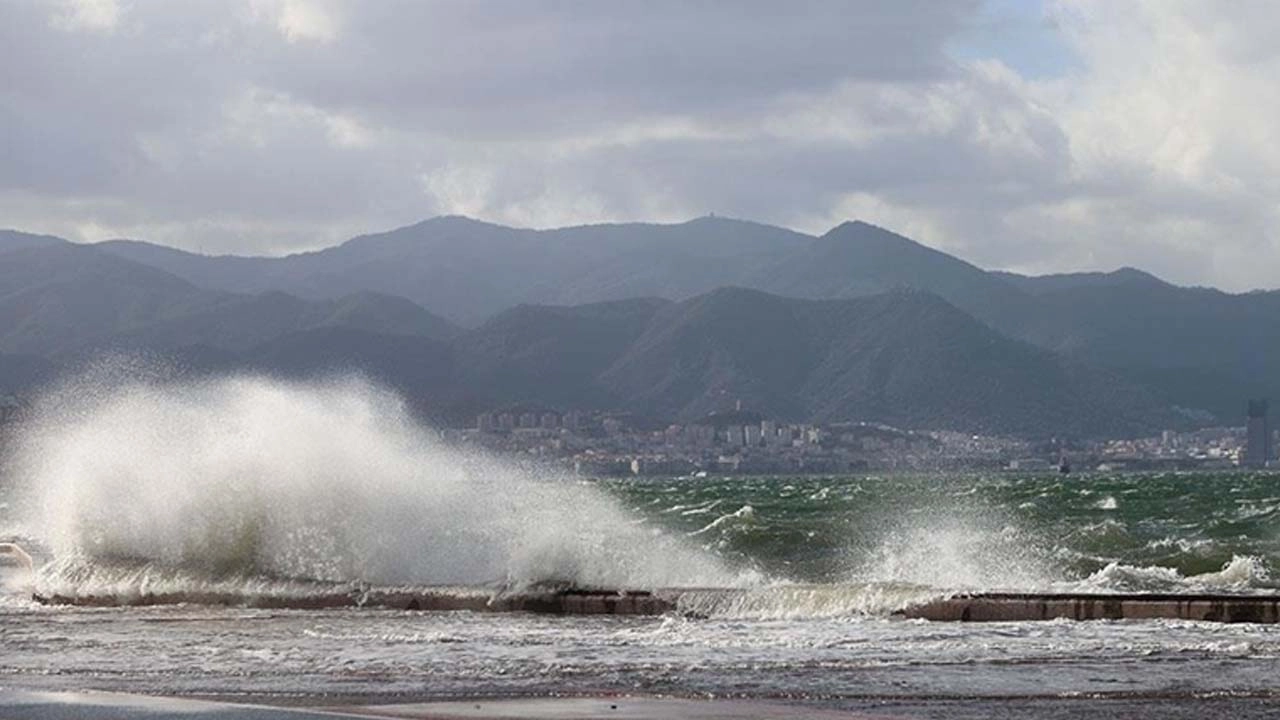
[983, 607]
[567, 602]
[1010, 607]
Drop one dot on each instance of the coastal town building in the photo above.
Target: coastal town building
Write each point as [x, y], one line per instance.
[1258, 450]
[599, 444]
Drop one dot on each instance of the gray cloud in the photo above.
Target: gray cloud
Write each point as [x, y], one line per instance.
[274, 125]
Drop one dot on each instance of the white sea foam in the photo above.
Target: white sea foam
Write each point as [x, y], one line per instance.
[792, 602]
[698, 509]
[960, 548]
[1182, 545]
[743, 517]
[332, 481]
[1241, 573]
[16, 570]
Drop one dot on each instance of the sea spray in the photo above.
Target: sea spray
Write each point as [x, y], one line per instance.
[792, 602]
[961, 547]
[334, 481]
[16, 570]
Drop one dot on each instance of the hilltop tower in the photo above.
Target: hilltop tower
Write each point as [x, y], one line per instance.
[1258, 451]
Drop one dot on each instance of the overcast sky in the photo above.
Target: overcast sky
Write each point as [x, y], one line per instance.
[1037, 136]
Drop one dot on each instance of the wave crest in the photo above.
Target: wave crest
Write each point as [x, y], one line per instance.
[1241, 573]
[331, 482]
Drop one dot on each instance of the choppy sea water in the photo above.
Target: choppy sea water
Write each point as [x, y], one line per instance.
[170, 488]
[1140, 532]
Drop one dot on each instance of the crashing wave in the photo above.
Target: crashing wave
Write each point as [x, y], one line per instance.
[1241, 573]
[157, 485]
[792, 602]
[743, 517]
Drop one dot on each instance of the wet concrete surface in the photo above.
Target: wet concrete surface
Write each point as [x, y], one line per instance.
[978, 607]
[22, 705]
[19, 705]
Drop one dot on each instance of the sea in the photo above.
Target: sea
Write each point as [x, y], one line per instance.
[258, 487]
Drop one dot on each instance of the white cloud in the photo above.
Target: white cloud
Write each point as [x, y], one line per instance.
[100, 16]
[307, 20]
[1174, 124]
[299, 21]
[348, 132]
[460, 190]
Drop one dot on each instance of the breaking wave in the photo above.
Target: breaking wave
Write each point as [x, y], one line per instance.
[958, 550]
[1241, 573]
[249, 490]
[741, 519]
[790, 602]
[257, 483]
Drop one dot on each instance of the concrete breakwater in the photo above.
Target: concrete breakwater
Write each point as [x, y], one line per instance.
[977, 607]
[559, 602]
[1013, 607]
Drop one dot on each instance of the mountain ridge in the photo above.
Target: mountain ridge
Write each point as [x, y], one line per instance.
[1200, 349]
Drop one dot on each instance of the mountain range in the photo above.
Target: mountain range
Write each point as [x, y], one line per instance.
[669, 321]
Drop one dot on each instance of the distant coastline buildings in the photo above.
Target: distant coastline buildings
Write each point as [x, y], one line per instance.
[1259, 450]
[610, 443]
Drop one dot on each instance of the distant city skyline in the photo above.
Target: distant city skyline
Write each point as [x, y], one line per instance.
[1040, 136]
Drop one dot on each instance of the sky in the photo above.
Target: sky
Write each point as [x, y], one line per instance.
[1033, 135]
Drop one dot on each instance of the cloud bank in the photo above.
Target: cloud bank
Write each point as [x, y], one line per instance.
[1144, 135]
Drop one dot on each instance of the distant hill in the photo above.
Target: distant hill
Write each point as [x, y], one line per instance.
[14, 240]
[61, 305]
[225, 272]
[241, 322]
[903, 357]
[1201, 350]
[856, 259]
[1197, 348]
[1042, 284]
[906, 358]
[59, 297]
[468, 270]
[421, 368]
[552, 355]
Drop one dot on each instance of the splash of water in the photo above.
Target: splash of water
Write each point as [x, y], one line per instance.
[331, 481]
[794, 602]
[16, 570]
[958, 549]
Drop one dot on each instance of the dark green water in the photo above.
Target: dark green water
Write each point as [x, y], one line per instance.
[1155, 532]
